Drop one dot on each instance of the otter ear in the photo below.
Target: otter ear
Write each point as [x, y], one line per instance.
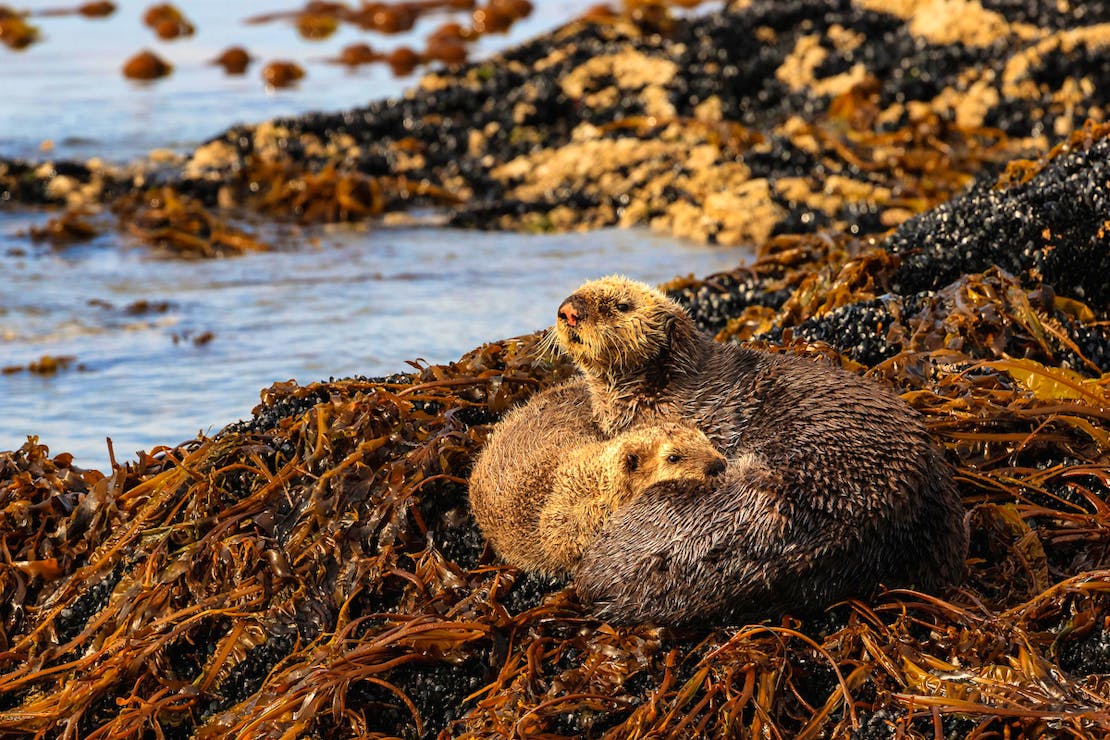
[631, 462]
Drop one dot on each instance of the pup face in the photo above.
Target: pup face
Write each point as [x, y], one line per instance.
[613, 324]
[669, 451]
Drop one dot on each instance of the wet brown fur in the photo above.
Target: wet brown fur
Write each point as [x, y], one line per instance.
[841, 487]
[547, 480]
[595, 480]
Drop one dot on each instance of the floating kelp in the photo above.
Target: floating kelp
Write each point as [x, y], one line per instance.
[100, 9]
[167, 21]
[183, 226]
[234, 60]
[319, 20]
[15, 32]
[282, 73]
[45, 365]
[70, 227]
[146, 65]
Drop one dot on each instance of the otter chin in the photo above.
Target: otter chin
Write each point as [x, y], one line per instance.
[842, 489]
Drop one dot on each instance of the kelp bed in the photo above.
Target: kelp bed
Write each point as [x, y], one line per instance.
[314, 571]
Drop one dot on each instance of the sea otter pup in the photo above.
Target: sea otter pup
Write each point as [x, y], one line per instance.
[546, 480]
[841, 487]
[593, 481]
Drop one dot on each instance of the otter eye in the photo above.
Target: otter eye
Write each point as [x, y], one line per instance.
[673, 458]
[632, 462]
[624, 306]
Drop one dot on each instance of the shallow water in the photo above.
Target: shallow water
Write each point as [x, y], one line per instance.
[361, 302]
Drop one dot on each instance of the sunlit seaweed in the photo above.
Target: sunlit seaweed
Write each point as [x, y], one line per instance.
[45, 365]
[146, 65]
[331, 195]
[167, 21]
[70, 227]
[101, 9]
[282, 73]
[15, 32]
[234, 60]
[182, 225]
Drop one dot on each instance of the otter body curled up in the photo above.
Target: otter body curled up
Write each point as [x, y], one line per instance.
[833, 484]
[595, 480]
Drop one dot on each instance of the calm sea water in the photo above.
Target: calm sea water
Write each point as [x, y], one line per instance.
[352, 301]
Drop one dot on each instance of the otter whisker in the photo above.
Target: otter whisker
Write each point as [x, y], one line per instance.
[549, 346]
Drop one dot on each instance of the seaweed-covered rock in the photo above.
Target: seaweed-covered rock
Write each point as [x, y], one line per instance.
[314, 570]
[760, 119]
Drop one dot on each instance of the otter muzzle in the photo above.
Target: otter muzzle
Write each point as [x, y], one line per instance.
[573, 311]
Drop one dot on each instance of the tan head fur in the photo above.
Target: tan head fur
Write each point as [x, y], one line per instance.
[668, 451]
[614, 325]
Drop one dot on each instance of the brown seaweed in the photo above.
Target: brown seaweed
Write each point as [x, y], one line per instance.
[146, 65]
[183, 226]
[234, 60]
[167, 21]
[333, 195]
[282, 73]
[15, 32]
[71, 227]
[45, 365]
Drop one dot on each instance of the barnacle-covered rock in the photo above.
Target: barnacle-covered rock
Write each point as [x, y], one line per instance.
[760, 119]
[1052, 225]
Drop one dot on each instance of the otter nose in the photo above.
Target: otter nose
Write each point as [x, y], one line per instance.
[715, 468]
[573, 311]
[568, 314]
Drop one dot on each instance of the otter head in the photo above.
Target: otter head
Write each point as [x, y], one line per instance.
[668, 451]
[614, 325]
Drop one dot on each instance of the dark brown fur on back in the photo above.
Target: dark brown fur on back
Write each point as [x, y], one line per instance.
[834, 487]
